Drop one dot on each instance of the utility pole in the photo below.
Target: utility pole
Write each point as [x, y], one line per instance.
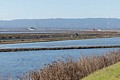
[108, 23]
[108, 27]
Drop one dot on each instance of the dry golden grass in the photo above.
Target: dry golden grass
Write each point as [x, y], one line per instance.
[74, 70]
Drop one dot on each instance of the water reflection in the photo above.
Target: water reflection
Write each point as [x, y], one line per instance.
[67, 43]
[16, 63]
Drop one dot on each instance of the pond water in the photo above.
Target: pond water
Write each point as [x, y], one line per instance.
[16, 63]
[66, 43]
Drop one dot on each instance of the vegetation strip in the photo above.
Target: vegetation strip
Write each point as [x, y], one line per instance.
[57, 48]
[46, 37]
[70, 69]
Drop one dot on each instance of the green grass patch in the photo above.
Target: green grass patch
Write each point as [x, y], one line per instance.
[109, 73]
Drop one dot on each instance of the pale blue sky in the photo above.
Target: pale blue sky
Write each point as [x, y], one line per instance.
[42, 9]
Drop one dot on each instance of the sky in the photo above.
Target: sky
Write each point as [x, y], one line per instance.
[43, 9]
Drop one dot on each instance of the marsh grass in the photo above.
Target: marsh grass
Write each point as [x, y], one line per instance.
[74, 70]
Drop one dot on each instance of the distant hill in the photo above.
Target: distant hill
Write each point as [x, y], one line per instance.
[86, 23]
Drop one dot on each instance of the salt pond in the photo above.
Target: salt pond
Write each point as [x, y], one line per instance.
[66, 43]
[16, 63]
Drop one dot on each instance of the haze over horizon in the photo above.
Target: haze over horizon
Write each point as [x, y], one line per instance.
[86, 23]
[57, 18]
[47, 9]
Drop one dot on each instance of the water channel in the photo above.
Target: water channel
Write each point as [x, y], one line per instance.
[16, 63]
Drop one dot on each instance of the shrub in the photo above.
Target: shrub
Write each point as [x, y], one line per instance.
[74, 70]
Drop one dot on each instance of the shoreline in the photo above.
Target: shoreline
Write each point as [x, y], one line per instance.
[47, 37]
[57, 48]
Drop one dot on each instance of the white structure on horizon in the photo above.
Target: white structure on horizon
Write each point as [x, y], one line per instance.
[31, 29]
[108, 23]
[99, 30]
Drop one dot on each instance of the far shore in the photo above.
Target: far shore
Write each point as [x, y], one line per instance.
[12, 38]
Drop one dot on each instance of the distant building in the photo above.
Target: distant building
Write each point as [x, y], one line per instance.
[94, 29]
[31, 28]
[99, 30]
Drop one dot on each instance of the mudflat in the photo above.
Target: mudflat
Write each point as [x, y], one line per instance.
[11, 38]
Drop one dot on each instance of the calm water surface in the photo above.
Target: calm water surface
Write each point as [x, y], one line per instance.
[16, 63]
[86, 42]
